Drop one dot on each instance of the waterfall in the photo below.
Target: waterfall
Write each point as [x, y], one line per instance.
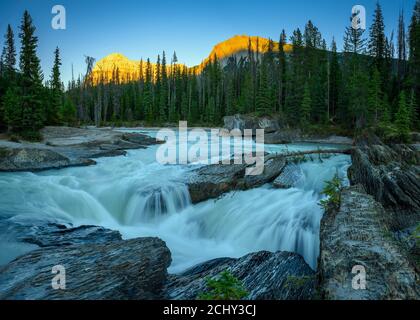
[153, 202]
[141, 198]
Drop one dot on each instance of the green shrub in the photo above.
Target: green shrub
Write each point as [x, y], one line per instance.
[332, 190]
[224, 287]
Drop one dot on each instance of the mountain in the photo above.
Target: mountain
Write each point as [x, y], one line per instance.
[129, 70]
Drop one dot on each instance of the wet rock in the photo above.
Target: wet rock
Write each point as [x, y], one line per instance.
[141, 139]
[285, 136]
[390, 173]
[30, 159]
[120, 270]
[243, 122]
[357, 235]
[265, 275]
[66, 147]
[212, 181]
[291, 176]
[56, 235]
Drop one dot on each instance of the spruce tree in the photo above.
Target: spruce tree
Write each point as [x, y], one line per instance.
[334, 83]
[10, 54]
[12, 106]
[375, 99]
[148, 93]
[282, 61]
[56, 91]
[402, 118]
[33, 112]
[414, 59]
[263, 99]
[306, 106]
[163, 99]
[377, 40]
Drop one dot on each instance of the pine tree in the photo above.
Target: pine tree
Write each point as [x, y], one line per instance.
[68, 113]
[33, 112]
[163, 100]
[402, 118]
[306, 106]
[414, 60]
[296, 81]
[12, 107]
[282, 61]
[375, 99]
[56, 91]
[377, 40]
[10, 54]
[148, 93]
[263, 100]
[334, 83]
[402, 49]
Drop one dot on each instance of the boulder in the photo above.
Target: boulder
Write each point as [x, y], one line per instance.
[390, 173]
[243, 122]
[141, 139]
[67, 147]
[119, 270]
[32, 159]
[357, 235]
[265, 275]
[212, 181]
[291, 176]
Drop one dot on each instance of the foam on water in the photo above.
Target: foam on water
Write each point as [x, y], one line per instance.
[140, 197]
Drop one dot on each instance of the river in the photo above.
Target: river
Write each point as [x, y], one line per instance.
[140, 197]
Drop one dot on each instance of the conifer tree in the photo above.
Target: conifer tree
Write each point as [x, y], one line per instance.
[334, 83]
[402, 118]
[56, 91]
[282, 61]
[10, 54]
[163, 99]
[306, 106]
[32, 110]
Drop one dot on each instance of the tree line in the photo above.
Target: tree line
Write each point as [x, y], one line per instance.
[374, 82]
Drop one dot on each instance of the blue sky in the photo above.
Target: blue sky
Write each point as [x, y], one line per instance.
[141, 29]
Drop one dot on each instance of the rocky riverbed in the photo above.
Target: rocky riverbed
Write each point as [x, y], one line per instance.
[68, 147]
[372, 228]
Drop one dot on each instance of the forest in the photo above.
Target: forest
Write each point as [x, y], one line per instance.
[372, 83]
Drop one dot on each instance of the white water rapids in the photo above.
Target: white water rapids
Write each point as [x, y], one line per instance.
[139, 197]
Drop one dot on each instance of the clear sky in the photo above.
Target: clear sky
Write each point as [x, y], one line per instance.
[142, 29]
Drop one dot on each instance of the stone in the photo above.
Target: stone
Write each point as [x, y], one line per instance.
[265, 275]
[357, 235]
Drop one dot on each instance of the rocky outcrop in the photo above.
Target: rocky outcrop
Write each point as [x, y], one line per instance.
[117, 270]
[287, 135]
[390, 173]
[265, 275]
[290, 177]
[29, 159]
[212, 181]
[243, 122]
[357, 235]
[66, 147]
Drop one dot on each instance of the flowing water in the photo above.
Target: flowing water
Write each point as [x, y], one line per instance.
[140, 197]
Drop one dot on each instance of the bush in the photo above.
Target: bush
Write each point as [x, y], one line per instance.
[332, 190]
[224, 287]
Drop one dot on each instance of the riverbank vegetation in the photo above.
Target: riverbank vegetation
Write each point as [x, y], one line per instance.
[374, 83]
